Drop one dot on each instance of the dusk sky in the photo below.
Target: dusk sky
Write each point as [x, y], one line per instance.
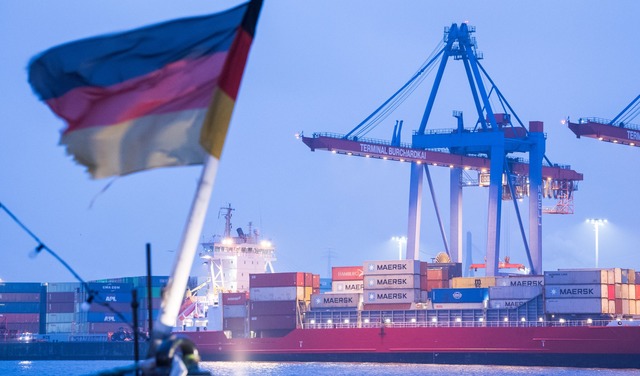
[323, 67]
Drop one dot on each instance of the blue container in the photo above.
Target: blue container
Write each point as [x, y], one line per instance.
[20, 287]
[325, 283]
[19, 307]
[468, 295]
[625, 275]
[111, 287]
[113, 297]
[108, 317]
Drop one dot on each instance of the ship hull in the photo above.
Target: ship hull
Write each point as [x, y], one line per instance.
[610, 347]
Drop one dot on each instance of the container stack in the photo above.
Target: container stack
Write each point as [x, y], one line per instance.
[275, 300]
[347, 279]
[473, 282]
[235, 309]
[21, 308]
[100, 318]
[459, 298]
[514, 290]
[390, 285]
[325, 285]
[577, 292]
[63, 304]
[437, 275]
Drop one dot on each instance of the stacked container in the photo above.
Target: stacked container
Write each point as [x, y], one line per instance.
[325, 285]
[62, 307]
[101, 319]
[514, 290]
[576, 292]
[347, 279]
[459, 298]
[235, 308]
[391, 284]
[275, 300]
[21, 307]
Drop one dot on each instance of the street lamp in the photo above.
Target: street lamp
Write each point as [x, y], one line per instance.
[596, 222]
[400, 240]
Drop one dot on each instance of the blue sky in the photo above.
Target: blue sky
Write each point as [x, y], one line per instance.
[325, 66]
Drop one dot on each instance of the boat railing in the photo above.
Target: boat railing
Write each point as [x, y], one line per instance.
[459, 324]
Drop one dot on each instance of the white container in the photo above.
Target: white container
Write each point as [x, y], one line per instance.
[611, 276]
[60, 318]
[262, 294]
[638, 307]
[506, 303]
[392, 281]
[60, 328]
[319, 301]
[624, 290]
[64, 287]
[231, 311]
[560, 306]
[632, 292]
[521, 292]
[625, 307]
[458, 306]
[391, 267]
[612, 307]
[632, 307]
[347, 286]
[516, 281]
[575, 291]
[576, 277]
[391, 296]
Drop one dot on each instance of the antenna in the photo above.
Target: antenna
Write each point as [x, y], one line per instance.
[329, 254]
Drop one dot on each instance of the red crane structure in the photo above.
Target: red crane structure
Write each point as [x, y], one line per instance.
[620, 130]
[486, 148]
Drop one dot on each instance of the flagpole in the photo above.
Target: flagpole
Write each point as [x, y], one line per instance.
[177, 285]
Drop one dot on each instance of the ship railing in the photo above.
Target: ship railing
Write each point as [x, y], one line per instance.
[460, 324]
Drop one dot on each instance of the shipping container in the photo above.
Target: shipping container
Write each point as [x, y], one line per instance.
[235, 298]
[118, 307]
[347, 300]
[618, 306]
[624, 291]
[387, 307]
[450, 269]
[506, 303]
[347, 273]
[15, 307]
[23, 327]
[612, 306]
[618, 289]
[19, 297]
[624, 276]
[63, 307]
[74, 287]
[16, 287]
[392, 281]
[234, 323]
[632, 292]
[261, 294]
[282, 307]
[576, 277]
[632, 277]
[391, 267]
[459, 295]
[272, 322]
[19, 318]
[625, 306]
[316, 281]
[437, 274]
[458, 305]
[53, 328]
[611, 292]
[276, 279]
[575, 291]
[113, 297]
[61, 297]
[429, 285]
[347, 286]
[572, 306]
[637, 306]
[637, 278]
[234, 311]
[109, 317]
[632, 307]
[308, 280]
[509, 293]
[110, 287]
[637, 291]
[106, 327]
[520, 280]
[473, 282]
[53, 318]
[325, 283]
[391, 296]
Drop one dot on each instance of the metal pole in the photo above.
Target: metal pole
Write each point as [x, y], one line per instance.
[136, 339]
[149, 296]
[596, 225]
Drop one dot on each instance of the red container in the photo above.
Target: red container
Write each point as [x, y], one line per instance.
[637, 294]
[387, 307]
[118, 307]
[423, 267]
[235, 298]
[347, 273]
[618, 306]
[61, 297]
[308, 279]
[283, 307]
[233, 323]
[611, 292]
[23, 327]
[67, 307]
[276, 279]
[316, 281]
[436, 285]
[20, 297]
[272, 322]
[438, 274]
[19, 318]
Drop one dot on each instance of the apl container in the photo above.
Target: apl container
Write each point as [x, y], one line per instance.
[108, 317]
[391, 296]
[347, 286]
[351, 300]
[576, 277]
[591, 305]
[460, 295]
[392, 281]
[347, 273]
[575, 291]
[391, 267]
[261, 294]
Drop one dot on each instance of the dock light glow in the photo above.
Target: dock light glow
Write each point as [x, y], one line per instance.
[596, 222]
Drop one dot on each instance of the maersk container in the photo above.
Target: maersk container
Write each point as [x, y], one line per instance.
[235, 298]
[19, 318]
[60, 297]
[506, 303]
[347, 273]
[272, 322]
[282, 307]
[572, 306]
[234, 311]
[19, 297]
[60, 317]
[20, 287]
[277, 279]
[391, 267]
[508, 292]
[392, 281]
[391, 296]
[347, 286]
[517, 281]
[351, 300]
[15, 307]
[575, 291]
[576, 277]
[261, 294]
[473, 282]
[459, 295]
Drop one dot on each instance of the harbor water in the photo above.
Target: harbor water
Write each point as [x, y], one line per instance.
[69, 368]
